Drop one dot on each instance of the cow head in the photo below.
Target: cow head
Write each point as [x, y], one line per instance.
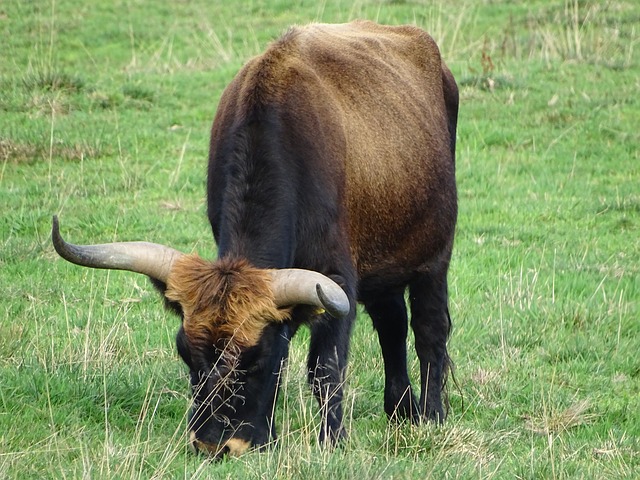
[234, 333]
[226, 307]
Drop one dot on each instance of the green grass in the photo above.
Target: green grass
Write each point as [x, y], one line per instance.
[104, 116]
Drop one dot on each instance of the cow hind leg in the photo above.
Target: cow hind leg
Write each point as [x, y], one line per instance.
[389, 316]
[431, 324]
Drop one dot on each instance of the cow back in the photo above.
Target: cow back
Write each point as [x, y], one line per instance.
[366, 110]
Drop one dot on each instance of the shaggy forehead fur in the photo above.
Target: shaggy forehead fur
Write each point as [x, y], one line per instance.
[224, 301]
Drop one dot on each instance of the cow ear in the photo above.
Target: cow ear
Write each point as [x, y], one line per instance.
[173, 306]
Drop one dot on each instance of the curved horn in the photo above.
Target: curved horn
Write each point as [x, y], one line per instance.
[149, 259]
[292, 286]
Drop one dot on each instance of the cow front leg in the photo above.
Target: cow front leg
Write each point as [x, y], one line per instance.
[279, 337]
[431, 325]
[327, 364]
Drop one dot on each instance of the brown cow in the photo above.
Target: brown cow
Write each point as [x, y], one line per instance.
[331, 180]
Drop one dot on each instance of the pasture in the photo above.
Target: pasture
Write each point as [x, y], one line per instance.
[105, 110]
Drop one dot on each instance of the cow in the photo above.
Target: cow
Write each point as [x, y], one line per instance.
[331, 181]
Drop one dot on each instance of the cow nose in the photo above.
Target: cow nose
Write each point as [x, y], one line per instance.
[234, 447]
[214, 450]
[193, 442]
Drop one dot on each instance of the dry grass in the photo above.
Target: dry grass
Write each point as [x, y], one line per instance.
[560, 421]
[13, 152]
[543, 293]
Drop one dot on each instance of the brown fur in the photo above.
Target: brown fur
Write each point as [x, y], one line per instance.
[377, 99]
[223, 301]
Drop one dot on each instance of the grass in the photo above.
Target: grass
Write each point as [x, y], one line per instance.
[104, 117]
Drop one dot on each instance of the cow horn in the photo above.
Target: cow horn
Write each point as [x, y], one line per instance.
[149, 259]
[292, 286]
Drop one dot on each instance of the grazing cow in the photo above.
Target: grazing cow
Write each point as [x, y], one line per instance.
[331, 180]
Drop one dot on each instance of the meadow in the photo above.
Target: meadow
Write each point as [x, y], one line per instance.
[105, 110]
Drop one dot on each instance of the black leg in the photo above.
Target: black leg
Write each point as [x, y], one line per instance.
[327, 364]
[283, 336]
[389, 316]
[431, 325]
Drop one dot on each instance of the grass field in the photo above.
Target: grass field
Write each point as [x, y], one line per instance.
[105, 108]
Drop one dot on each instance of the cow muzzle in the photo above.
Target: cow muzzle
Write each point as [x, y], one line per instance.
[233, 447]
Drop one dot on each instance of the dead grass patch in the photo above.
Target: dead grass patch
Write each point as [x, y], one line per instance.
[16, 152]
[556, 422]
